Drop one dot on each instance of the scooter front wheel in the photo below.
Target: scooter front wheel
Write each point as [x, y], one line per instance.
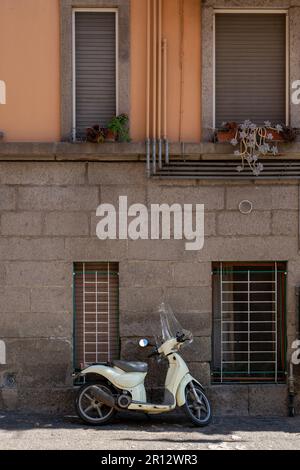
[197, 406]
[91, 410]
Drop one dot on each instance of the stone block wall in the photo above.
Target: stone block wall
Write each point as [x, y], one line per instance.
[48, 222]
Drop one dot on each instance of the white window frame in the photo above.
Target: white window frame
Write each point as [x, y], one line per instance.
[287, 57]
[93, 10]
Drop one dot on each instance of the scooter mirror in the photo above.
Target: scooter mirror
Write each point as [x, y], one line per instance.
[143, 343]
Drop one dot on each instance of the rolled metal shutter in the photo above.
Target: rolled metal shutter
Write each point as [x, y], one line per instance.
[250, 68]
[95, 69]
[96, 312]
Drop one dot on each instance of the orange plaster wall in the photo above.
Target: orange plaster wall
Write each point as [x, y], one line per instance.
[184, 109]
[29, 65]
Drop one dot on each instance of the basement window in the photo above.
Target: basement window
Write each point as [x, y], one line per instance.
[249, 326]
[96, 313]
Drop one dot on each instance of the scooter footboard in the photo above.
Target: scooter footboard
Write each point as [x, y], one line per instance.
[180, 395]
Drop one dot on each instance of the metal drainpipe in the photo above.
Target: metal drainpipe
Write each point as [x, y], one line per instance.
[154, 84]
[148, 163]
[154, 156]
[165, 96]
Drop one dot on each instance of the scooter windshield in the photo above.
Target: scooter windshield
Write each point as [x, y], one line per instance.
[170, 326]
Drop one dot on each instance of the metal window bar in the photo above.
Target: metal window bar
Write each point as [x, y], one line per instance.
[96, 350]
[229, 336]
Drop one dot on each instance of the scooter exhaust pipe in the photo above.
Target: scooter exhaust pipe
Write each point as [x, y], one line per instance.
[103, 397]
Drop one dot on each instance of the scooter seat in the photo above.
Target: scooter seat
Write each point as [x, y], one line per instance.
[131, 366]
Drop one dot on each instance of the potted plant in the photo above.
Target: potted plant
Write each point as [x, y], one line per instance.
[227, 132]
[256, 141]
[95, 134]
[118, 129]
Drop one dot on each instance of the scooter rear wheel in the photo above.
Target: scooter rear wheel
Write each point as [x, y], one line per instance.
[89, 409]
[197, 406]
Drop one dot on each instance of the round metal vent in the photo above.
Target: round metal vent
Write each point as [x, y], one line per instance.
[245, 207]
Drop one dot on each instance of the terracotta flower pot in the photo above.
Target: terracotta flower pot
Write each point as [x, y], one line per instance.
[226, 136]
[110, 136]
[277, 136]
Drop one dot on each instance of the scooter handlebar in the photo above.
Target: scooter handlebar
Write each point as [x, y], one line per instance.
[154, 353]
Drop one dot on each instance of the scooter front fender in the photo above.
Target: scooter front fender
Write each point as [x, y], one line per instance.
[180, 395]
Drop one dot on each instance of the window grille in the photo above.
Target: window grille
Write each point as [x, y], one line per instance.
[96, 313]
[249, 322]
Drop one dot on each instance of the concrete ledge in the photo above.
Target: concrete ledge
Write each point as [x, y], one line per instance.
[133, 151]
[249, 400]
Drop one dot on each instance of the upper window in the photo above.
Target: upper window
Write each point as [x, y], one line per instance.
[249, 322]
[250, 68]
[95, 69]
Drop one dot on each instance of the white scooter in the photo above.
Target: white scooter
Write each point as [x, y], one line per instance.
[119, 385]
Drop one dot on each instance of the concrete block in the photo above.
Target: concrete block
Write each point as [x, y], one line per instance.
[45, 399]
[145, 273]
[199, 323]
[268, 400]
[39, 273]
[9, 398]
[198, 351]
[263, 197]
[285, 223]
[260, 196]
[67, 223]
[210, 224]
[229, 400]
[191, 274]
[52, 299]
[7, 198]
[285, 197]
[235, 223]
[30, 325]
[211, 196]
[31, 249]
[14, 299]
[40, 360]
[249, 248]
[2, 274]
[117, 173]
[159, 250]
[201, 372]
[139, 323]
[73, 198]
[136, 194]
[138, 299]
[189, 298]
[85, 249]
[43, 173]
[21, 223]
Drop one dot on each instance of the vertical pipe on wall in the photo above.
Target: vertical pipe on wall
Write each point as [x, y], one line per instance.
[165, 98]
[154, 84]
[148, 88]
[159, 94]
[181, 22]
